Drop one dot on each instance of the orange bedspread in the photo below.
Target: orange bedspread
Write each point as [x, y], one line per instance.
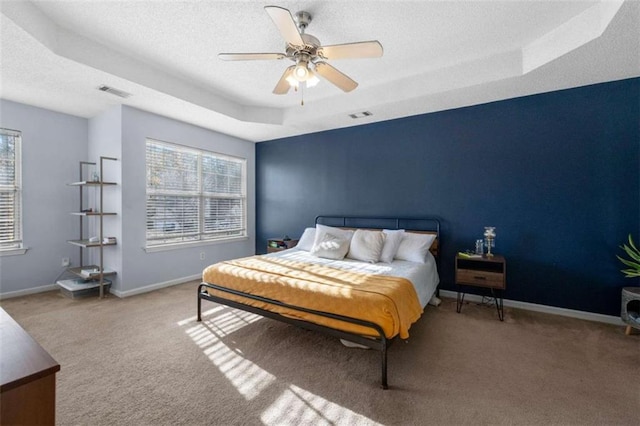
[390, 302]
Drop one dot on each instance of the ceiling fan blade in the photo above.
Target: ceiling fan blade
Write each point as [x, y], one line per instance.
[285, 23]
[283, 85]
[335, 77]
[250, 56]
[363, 49]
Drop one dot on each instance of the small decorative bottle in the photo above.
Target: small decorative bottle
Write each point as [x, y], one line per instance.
[489, 237]
[479, 247]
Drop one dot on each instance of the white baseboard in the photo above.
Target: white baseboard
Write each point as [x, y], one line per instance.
[589, 316]
[18, 293]
[153, 287]
[115, 292]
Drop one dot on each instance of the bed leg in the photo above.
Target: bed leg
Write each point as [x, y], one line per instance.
[199, 304]
[384, 365]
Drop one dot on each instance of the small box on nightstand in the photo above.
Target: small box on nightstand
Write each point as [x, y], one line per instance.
[279, 244]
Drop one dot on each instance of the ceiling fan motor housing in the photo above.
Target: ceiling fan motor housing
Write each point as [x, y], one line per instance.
[310, 47]
[303, 19]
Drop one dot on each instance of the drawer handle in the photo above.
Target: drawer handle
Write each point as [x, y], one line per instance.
[480, 278]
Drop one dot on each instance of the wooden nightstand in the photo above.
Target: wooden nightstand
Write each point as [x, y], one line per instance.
[487, 272]
[279, 244]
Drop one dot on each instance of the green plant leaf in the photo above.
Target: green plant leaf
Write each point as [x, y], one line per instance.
[634, 259]
[630, 263]
[631, 253]
[630, 273]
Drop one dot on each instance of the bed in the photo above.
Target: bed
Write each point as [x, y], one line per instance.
[363, 280]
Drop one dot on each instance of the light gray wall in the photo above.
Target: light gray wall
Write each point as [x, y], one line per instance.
[105, 135]
[53, 144]
[142, 270]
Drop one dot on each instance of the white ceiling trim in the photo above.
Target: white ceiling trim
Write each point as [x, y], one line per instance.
[576, 32]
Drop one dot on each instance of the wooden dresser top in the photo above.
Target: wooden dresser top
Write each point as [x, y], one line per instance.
[22, 359]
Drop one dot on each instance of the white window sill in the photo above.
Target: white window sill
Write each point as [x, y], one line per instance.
[13, 252]
[178, 246]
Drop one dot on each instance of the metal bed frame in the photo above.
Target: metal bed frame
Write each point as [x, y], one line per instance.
[381, 342]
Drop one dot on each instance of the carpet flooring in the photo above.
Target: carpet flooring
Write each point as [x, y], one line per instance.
[144, 360]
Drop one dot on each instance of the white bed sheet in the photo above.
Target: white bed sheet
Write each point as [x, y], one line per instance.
[423, 276]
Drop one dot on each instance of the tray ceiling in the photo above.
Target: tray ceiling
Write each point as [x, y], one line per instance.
[437, 55]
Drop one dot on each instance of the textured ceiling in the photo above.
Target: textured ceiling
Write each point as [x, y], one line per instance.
[437, 55]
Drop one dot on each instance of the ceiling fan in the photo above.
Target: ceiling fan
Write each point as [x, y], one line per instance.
[308, 54]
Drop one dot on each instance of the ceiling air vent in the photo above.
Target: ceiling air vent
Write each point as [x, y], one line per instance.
[360, 114]
[113, 91]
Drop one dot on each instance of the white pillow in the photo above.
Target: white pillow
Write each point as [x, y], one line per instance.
[366, 245]
[330, 246]
[307, 239]
[414, 247]
[392, 241]
[338, 232]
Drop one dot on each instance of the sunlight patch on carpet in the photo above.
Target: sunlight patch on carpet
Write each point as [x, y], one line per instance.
[298, 406]
[204, 313]
[248, 378]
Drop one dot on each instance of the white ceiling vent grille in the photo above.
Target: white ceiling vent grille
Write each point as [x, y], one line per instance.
[360, 114]
[113, 91]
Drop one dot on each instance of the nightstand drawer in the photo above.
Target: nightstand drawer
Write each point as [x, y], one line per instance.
[480, 278]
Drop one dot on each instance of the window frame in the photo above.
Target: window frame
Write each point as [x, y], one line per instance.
[16, 246]
[176, 242]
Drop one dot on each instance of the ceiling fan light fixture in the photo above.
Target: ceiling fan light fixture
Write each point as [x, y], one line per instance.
[292, 81]
[301, 71]
[313, 79]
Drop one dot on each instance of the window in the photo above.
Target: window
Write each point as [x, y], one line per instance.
[193, 195]
[10, 191]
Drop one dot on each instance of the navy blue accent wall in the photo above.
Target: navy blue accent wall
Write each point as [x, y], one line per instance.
[557, 174]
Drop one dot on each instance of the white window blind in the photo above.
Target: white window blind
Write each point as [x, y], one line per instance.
[10, 190]
[193, 195]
